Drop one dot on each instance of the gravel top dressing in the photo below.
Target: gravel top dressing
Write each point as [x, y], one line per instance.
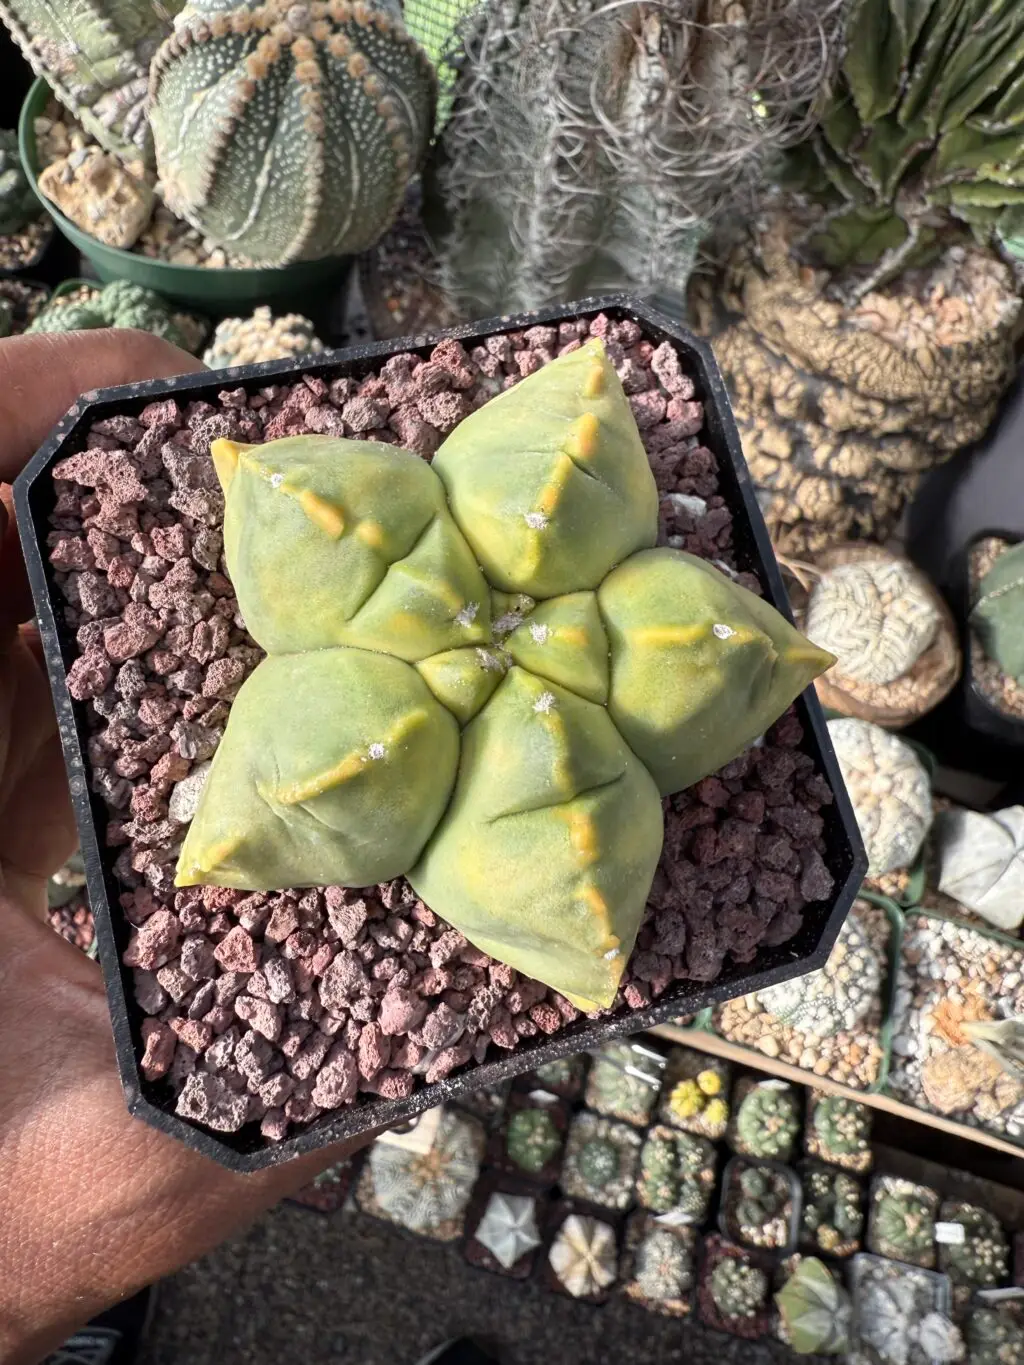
[271, 1009]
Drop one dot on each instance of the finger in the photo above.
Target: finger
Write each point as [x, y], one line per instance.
[42, 375]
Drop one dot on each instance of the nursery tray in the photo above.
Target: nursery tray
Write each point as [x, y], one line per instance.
[248, 1150]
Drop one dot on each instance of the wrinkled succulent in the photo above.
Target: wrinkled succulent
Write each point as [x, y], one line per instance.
[420, 678]
[833, 1214]
[18, 203]
[903, 1226]
[980, 861]
[877, 617]
[738, 1289]
[313, 117]
[890, 790]
[998, 614]
[120, 304]
[767, 1122]
[68, 317]
[841, 1126]
[815, 1310]
[981, 1260]
[835, 998]
[532, 1139]
[995, 1338]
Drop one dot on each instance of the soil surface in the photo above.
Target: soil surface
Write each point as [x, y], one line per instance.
[350, 1290]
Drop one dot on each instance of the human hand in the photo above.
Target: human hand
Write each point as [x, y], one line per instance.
[93, 1204]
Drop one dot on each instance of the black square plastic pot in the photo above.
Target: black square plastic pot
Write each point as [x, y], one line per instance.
[247, 1150]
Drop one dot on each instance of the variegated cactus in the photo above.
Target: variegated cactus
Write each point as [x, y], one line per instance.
[400, 681]
[287, 131]
[95, 56]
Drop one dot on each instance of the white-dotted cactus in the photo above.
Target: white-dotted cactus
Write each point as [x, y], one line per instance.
[834, 999]
[288, 132]
[890, 791]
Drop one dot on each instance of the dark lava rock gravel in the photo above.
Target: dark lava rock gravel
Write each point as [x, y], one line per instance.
[273, 1008]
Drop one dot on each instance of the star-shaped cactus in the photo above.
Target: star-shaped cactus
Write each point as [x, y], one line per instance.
[481, 674]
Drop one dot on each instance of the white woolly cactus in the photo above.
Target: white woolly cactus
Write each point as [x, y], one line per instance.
[834, 999]
[890, 791]
[287, 131]
[876, 616]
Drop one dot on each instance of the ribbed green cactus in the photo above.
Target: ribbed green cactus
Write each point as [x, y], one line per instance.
[815, 1310]
[903, 1226]
[18, 203]
[767, 1123]
[995, 1337]
[69, 317]
[288, 131]
[362, 582]
[95, 56]
[923, 124]
[842, 1127]
[998, 615]
[738, 1288]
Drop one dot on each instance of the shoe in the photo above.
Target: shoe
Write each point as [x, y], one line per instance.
[113, 1338]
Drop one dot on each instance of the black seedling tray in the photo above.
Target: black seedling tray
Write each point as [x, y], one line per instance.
[34, 496]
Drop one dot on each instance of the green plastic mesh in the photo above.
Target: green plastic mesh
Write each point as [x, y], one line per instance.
[434, 25]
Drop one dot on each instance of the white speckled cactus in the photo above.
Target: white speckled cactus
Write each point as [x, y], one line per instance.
[890, 790]
[288, 132]
[834, 999]
[95, 55]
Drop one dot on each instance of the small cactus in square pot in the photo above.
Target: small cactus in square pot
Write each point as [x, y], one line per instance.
[815, 1309]
[640, 671]
[839, 1132]
[766, 1122]
[902, 1223]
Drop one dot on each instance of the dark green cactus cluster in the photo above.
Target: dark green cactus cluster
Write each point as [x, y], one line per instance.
[921, 129]
[18, 203]
[532, 1139]
[738, 1289]
[841, 1127]
[499, 677]
[763, 1196]
[998, 614]
[676, 1174]
[833, 1211]
[767, 1122]
[981, 1260]
[903, 1226]
[995, 1337]
[120, 304]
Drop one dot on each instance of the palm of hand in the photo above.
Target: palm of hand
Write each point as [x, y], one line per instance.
[75, 1235]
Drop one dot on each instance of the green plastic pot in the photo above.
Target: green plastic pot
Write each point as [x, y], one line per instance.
[218, 292]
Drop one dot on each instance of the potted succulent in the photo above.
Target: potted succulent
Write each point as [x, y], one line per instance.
[625, 1081]
[695, 1093]
[529, 1143]
[832, 1219]
[582, 1255]
[659, 1265]
[900, 1314]
[994, 684]
[676, 1176]
[976, 858]
[838, 1131]
[504, 1227]
[732, 1291]
[25, 230]
[892, 633]
[995, 1336]
[902, 1221]
[815, 1311]
[80, 305]
[765, 1120]
[975, 1257]
[760, 1205]
[563, 1078]
[601, 1161]
[133, 85]
[283, 955]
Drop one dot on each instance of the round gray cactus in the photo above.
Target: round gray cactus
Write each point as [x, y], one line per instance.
[288, 132]
[876, 616]
[890, 791]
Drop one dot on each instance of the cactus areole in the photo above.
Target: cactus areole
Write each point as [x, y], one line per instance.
[481, 675]
[287, 132]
